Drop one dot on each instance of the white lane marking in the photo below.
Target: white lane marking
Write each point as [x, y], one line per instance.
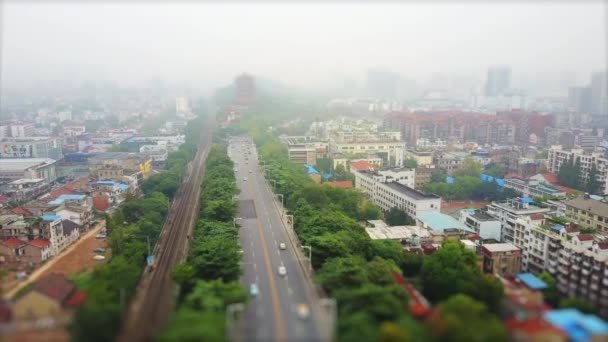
[289, 291]
[279, 254]
[275, 242]
[255, 267]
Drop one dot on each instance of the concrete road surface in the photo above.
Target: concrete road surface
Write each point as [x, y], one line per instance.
[271, 315]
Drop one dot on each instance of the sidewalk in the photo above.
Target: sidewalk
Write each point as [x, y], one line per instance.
[46, 268]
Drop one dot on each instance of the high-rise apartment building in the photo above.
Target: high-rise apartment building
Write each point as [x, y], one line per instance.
[558, 156]
[579, 99]
[599, 94]
[498, 80]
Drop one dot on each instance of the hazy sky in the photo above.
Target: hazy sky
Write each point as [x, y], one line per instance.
[300, 44]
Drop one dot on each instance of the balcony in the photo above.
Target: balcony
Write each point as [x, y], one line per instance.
[605, 281]
[595, 278]
[562, 288]
[564, 270]
[552, 270]
[604, 293]
[597, 266]
[606, 272]
[586, 271]
[564, 261]
[586, 264]
[594, 287]
[552, 263]
[573, 276]
[584, 281]
[576, 267]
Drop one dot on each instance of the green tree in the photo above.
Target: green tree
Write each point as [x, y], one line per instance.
[550, 293]
[593, 185]
[345, 272]
[495, 170]
[192, 326]
[184, 275]
[470, 167]
[398, 217]
[410, 163]
[453, 269]
[456, 316]
[216, 257]
[581, 304]
[439, 176]
[412, 263]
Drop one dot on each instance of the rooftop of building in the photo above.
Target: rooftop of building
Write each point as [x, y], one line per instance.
[595, 207]
[67, 197]
[23, 181]
[481, 215]
[578, 326]
[24, 163]
[500, 247]
[341, 184]
[363, 165]
[112, 155]
[412, 193]
[519, 204]
[50, 217]
[441, 222]
[531, 281]
[12, 243]
[40, 243]
[397, 233]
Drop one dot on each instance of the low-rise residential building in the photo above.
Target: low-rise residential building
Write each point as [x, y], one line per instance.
[421, 157]
[484, 225]
[362, 165]
[37, 251]
[27, 189]
[110, 192]
[501, 258]
[442, 223]
[507, 212]
[449, 161]
[409, 236]
[50, 297]
[52, 230]
[14, 226]
[11, 250]
[424, 174]
[532, 187]
[588, 213]
[392, 194]
[403, 176]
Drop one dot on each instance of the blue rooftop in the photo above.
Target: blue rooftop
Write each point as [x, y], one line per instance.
[50, 217]
[121, 186]
[557, 227]
[532, 281]
[440, 222]
[310, 169]
[64, 198]
[578, 326]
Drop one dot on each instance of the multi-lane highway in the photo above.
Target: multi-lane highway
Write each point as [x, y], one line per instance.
[278, 311]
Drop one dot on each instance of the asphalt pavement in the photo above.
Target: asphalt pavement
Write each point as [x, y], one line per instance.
[272, 314]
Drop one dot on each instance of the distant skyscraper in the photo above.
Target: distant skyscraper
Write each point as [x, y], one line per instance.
[579, 99]
[382, 84]
[244, 89]
[599, 94]
[498, 81]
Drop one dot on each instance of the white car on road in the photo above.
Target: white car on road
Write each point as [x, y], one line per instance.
[282, 246]
[282, 271]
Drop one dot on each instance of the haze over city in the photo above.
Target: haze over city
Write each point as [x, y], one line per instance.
[308, 45]
[325, 172]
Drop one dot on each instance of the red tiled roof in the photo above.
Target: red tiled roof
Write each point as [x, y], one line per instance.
[571, 230]
[474, 237]
[537, 216]
[585, 237]
[40, 243]
[22, 211]
[76, 299]
[602, 245]
[12, 243]
[532, 326]
[549, 177]
[61, 191]
[72, 185]
[563, 188]
[514, 175]
[56, 286]
[3, 198]
[362, 165]
[342, 184]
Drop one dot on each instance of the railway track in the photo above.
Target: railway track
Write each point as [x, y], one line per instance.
[153, 301]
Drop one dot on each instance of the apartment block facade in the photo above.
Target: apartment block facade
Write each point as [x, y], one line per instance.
[558, 156]
[389, 194]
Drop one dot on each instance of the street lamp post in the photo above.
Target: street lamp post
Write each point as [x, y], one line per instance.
[231, 309]
[281, 200]
[331, 305]
[309, 256]
[274, 182]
